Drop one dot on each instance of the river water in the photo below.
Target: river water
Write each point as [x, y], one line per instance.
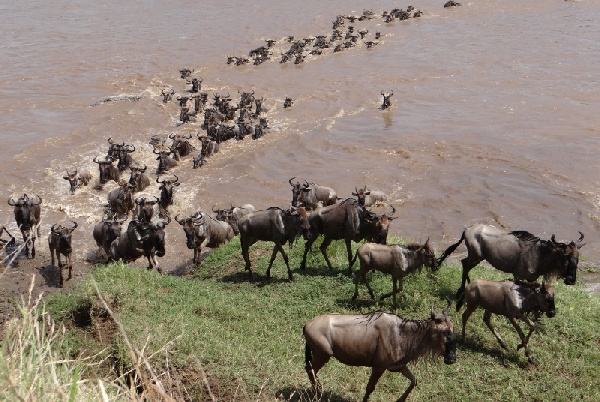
[494, 116]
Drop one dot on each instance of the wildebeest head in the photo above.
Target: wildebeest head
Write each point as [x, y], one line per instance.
[442, 335]
[193, 227]
[159, 236]
[386, 99]
[427, 255]
[569, 256]
[361, 195]
[165, 162]
[72, 178]
[25, 207]
[296, 224]
[136, 177]
[63, 236]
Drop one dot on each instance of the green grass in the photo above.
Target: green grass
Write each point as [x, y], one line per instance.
[247, 336]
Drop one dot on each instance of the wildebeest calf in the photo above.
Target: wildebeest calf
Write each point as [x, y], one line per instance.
[59, 242]
[512, 300]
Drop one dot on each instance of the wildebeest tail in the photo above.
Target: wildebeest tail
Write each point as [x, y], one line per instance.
[307, 352]
[450, 250]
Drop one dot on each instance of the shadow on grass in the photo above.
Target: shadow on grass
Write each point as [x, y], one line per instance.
[504, 357]
[306, 395]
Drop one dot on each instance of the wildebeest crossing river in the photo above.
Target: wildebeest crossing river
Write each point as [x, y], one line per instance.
[493, 119]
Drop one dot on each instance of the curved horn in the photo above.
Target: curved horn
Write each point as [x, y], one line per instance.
[39, 200]
[382, 93]
[159, 182]
[178, 221]
[131, 147]
[393, 210]
[110, 140]
[144, 169]
[432, 313]
[52, 228]
[176, 178]
[580, 238]
[74, 225]
[172, 135]
[213, 209]
[187, 138]
[447, 309]
[168, 221]
[290, 181]
[95, 161]
[154, 151]
[11, 201]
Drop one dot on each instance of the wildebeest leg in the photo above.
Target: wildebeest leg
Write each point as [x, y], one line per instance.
[279, 247]
[315, 360]
[307, 247]
[467, 266]
[349, 251]
[413, 382]
[395, 289]
[60, 269]
[486, 318]
[70, 265]
[376, 373]
[323, 248]
[524, 339]
[465, 317]
[246, 243]
[362, 274]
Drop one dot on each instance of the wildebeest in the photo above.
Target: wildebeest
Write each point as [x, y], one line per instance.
[166, 194]
[105, 232]
[368, 198]
[196, 84]
[141, 239]
[312, 196]
[386, 99]
[378, 340]
[451, 3]
[107, 170]
[512, 300]
[288, 102]
[233, 215]
[517, 252]
[181, 146]
[144, 209]
[348, 221]
[138, 179]
[193, 234]
[215, 232]
[167, 94]
[122, 153]
[185, 72]
[165, 162]
[120, 200]
[77, 178]
[27, 215]
[276, 225]
[59, 242]
[395, 260]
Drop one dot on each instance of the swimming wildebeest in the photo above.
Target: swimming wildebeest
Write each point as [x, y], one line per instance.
[120, 200]
[348, 221]
[368, 198]
[386, 99]
[59, 242]
[166, 187]
[517, 252]
[165, 162]
[276, 225]
[514, 300]
[107, 170]
[77, 178]
[27, 215]
[105, 232]
[395, 260]
[138, 179]
[378, 340]
[288, 102]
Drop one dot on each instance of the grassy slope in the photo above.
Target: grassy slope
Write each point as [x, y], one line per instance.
[248, 335]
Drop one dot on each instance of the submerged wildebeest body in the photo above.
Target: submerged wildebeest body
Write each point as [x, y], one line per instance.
[105, 232]
[59, 242]
[141, 239]
[517, 252]
[348, 221]
[276, 225]
[386, 99]
[77, 178]
[368, 198]
[27, 215]
[181, 146]
[165, 162]
[514, 300]
[378, 340]
[395, 260]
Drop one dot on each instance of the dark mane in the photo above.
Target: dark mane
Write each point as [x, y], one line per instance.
[525, 236]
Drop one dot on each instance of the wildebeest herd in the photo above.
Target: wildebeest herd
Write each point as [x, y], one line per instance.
[378, 340]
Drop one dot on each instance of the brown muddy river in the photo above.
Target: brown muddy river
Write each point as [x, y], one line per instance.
[494, 116]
